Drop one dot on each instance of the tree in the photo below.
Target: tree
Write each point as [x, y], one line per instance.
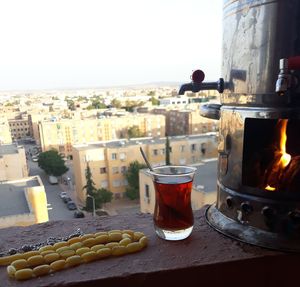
[90, 189]
[116, 103]
[96, 104]
[151, 93]
[132, 176]
[168, 149]
[135, 132]
[71, 105]
[52, 163]
[102, 196]
[154, 101]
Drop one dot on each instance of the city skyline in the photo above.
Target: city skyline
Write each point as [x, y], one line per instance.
[79, 44]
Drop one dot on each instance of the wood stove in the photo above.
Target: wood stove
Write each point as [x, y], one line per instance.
[258, 183]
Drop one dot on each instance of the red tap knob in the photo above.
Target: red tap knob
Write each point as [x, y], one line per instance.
[294, 63]
[198, 76]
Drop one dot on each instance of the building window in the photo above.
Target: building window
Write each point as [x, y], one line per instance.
[113, 156]
[203, 148]
[147, 192]
[125, 182]
[162, 151]
[155, 152]
[102, 170]
[193, 147]
[104, 183]
[115, 170]
[123, 169]
[122, 156]
[116, 183]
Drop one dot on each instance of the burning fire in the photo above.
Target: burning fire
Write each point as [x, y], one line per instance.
[283, 158]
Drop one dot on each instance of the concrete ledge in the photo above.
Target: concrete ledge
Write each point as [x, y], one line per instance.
[206, 257]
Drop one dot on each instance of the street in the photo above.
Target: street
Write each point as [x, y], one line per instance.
[57, 209]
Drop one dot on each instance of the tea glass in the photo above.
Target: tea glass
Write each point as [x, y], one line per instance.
[173, 215]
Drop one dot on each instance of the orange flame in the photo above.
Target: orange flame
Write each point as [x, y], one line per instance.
[270, 188]
[285, 157]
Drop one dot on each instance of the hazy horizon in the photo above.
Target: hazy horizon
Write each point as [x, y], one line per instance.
[77, 44]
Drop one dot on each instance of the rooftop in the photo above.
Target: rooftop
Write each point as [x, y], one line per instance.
[12, 196]
[8, 149]
[135, 141]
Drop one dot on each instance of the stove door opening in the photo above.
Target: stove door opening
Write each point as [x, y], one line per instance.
[271, 155]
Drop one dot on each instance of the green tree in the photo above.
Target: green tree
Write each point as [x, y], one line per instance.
[96, 104]
[154, 101]
[52, 163]
[116, 103]
[71, 105]
[168, 149]
[90, 189]
[151, 93]
[132, 176]
[102, 196]
[135, 132]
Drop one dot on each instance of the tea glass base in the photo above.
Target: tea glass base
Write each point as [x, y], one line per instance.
[173, 234]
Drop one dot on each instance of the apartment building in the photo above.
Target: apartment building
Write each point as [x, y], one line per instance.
[23, 202]
[5, 135]
[63, 134]
[191, 122]
[174, 101]
[13, 164]
[19, 128]
[109, 161]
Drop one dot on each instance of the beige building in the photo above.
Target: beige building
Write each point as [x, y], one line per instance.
[204, 190]
[23, 202]
[5, 135]
[109, 160]
[13, 164]
[191, 122]
[19, 128]
[63, 134]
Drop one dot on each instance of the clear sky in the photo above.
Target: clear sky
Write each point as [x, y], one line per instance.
[92, 43]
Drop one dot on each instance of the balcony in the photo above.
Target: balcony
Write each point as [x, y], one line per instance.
[206, 258]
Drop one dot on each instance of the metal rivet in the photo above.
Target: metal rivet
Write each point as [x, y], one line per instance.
[229, 202]
[246, 207]
[267, 211]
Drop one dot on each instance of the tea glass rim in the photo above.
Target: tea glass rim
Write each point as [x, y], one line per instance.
[192, 170]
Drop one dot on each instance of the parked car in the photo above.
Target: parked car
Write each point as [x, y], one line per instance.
[78, 214]
[66, 199]
[52, 179]
[35, 159]
[71, 205]
[63, 194]
[66, 179]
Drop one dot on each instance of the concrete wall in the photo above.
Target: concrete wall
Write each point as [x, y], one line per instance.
[13, 166]
[37, 203]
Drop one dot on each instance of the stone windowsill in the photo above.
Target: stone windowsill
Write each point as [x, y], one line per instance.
[206, 257]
